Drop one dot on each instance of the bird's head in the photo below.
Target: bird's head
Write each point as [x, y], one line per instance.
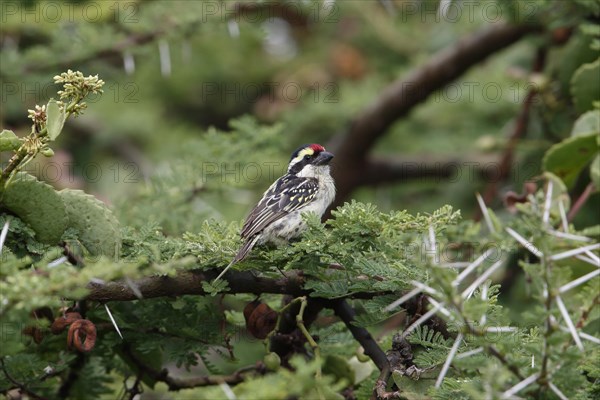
[310, 160]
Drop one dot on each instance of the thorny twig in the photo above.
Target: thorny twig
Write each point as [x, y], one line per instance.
[175, 384]
[17, 384]
[520, 129]
[581, 200]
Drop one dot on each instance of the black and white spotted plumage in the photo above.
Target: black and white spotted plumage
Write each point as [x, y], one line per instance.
[306, 187]
[287, 194]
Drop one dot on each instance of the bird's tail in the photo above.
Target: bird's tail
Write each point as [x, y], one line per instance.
[241, 254]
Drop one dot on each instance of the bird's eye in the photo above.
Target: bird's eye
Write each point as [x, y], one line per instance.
[307, 157]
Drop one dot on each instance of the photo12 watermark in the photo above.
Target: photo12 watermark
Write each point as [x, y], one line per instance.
[65, 11]
[469, 11]
[250, 92]
[36, 92]
[259, 11]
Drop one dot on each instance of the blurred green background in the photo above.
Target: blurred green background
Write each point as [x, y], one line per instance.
[160, 145]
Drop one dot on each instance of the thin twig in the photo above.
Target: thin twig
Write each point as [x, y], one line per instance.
[21, 386]
[581, 200]
[353, 146]
[381, 386]
[520, 129]
[492, 350]
[175, 384]
[309, 338]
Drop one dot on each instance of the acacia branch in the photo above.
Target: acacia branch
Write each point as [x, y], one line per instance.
[581, 200]
[17, 384]
[519, 131]
[352, 147]
[380, 390]
[190, 282]
[382, 171]
[346, 313]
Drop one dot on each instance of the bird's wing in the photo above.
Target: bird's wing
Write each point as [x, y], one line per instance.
[289, 193]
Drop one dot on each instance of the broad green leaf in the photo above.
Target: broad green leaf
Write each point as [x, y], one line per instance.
[576, 52]
[595, 172]
[98, 229]
[567, 158]
[55, 119]
[585, 86]
[39, 205]
[587, 123]
[9, 141]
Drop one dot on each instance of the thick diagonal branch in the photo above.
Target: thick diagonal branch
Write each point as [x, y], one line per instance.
[425, 168]
[346, 313]
[352, 147]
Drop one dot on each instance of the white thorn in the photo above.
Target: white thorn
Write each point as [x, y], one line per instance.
[486, 213]
[223, 272]
[233, 28]
[563, 216]
[557, 391]
[432, 244]
[128, 62]
[547, 203]
[469, 291]
[593, 257]
[583, 335]
[134, 288]
[469, 353]
[484, 295]
[501, 329]
[443, 309]
[567, 317]
[578, 281]
[570, 236]
[520, 386]
[165, 57]
[471, 267]
[57, 262]
[460, 264]
[566, 254]
[528, 245]
[403, 299]
[113, 320]
[451, 355]
[3, 235]
[422, 319]
[443, 10]
[532, 361]
[227, 390]
[424, 287]
[588, 260]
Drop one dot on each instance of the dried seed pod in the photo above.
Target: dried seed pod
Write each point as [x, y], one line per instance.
[85, 330]
[260, 319]
[62, 322]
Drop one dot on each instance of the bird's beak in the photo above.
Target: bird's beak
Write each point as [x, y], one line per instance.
[323, 158]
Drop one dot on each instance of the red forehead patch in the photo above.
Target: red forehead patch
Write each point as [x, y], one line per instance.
[317, 147]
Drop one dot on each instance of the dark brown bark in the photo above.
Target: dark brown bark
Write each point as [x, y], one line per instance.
[353, 147]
